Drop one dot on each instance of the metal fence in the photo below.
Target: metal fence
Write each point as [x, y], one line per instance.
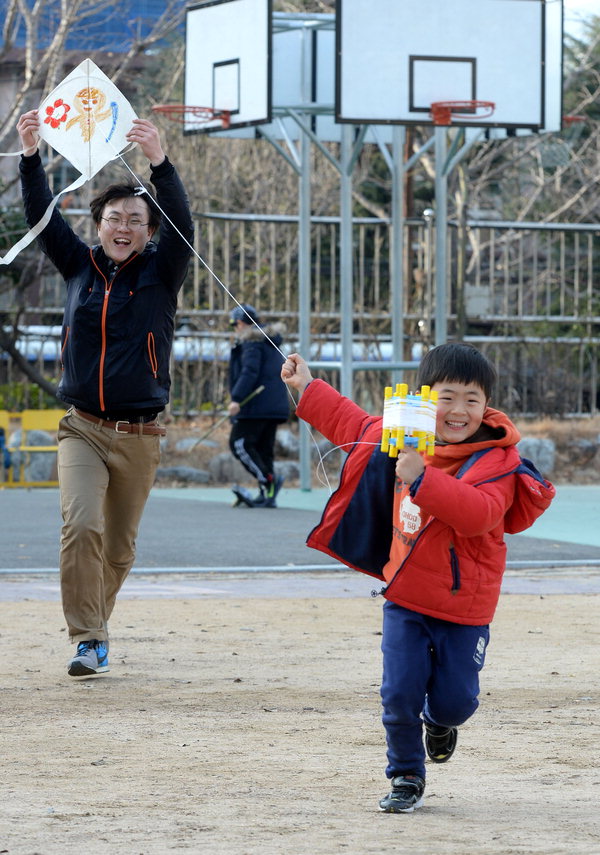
[523, 292]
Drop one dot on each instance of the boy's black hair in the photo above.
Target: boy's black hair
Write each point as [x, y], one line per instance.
[125, 191]
[457, 362]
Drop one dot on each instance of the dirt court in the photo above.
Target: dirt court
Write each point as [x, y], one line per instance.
[239, 727]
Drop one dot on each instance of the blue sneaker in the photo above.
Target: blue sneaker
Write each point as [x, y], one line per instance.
[91, 658]
[406, 795]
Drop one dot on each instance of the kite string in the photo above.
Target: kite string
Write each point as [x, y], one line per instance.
[321, 464]
[199, 257]
[320, 468]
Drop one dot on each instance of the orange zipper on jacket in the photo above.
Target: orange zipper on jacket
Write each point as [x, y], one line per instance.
[152, 355]
[107, 289]
[62, 350]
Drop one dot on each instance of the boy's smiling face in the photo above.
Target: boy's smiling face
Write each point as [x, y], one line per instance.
[460, 410]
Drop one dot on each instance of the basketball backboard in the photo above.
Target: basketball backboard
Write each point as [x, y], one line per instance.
[395, 58]
[300, 70]
[228, 60]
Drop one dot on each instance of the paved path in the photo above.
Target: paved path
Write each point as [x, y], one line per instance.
[207, 547]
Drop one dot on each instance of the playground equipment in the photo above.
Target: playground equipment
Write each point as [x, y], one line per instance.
[19, 456]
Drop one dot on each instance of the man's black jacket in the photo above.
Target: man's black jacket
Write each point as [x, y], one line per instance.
[119, 320]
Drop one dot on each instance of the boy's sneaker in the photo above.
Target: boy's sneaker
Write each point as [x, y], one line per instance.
[406, 795]
[440, 742]
[91, 658]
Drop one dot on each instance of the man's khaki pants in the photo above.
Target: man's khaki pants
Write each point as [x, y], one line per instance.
[105, 478]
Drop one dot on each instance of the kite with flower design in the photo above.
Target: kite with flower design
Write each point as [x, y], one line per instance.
[85, 119]
[89, 118]
[56, 113]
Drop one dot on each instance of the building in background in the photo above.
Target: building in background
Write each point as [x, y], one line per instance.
[113, 28]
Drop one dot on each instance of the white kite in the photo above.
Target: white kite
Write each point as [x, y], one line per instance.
[86, 119]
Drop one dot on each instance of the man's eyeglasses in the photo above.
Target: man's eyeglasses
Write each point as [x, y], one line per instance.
[117, 223]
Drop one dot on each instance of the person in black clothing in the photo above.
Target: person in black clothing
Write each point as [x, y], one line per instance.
[255, 362]
[5, 457]
[116, 341]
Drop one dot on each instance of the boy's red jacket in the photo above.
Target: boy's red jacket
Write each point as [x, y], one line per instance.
[453, 569]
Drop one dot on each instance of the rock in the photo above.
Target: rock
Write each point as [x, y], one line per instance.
[289, 469]
[187, 474]
[39, 465]
[225, 469]
[188, 442]
[287, 442]
[583, 451]
[322, 449]
[541, 452]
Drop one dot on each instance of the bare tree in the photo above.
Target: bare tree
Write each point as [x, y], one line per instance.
[540, 177]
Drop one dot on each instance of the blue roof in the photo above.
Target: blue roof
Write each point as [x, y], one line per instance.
[113, 29]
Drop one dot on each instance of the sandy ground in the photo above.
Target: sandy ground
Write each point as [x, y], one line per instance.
[252, 726]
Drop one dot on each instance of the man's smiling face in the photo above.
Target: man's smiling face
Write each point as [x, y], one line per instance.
[119, 228]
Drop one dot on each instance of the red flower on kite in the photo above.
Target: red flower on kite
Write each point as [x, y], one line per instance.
[57, 113]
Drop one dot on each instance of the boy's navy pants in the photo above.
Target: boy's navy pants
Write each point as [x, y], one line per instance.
[430, 667]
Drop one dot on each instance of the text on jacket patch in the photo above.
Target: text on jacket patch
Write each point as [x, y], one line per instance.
[410, 516]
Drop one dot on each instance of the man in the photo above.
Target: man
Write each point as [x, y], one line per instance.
[116, 341]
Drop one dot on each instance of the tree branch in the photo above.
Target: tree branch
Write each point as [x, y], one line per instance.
[7, 343]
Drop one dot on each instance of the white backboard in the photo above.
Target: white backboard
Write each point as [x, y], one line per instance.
[396, 57]
[301, 72]
[228, 60]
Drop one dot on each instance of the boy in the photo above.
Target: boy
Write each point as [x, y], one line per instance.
[441, 553]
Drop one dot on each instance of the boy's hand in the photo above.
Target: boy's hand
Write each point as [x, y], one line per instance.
[295, 372]
[409, 465]
[28, 128]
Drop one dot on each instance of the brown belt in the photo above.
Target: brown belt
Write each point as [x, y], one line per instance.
[141, 428]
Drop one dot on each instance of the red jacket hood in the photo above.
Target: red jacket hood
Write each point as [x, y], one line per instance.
[506, 434]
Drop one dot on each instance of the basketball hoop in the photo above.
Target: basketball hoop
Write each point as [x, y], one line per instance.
[442, 112]
[193, 115]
